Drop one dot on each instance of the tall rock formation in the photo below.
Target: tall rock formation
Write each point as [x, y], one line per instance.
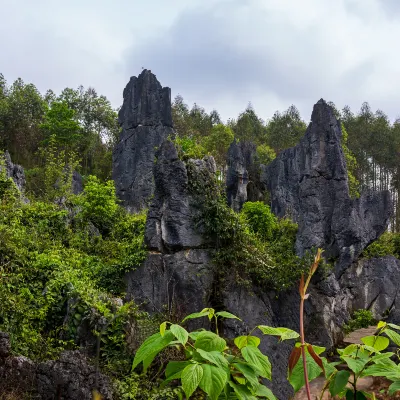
[309, 183]
[146, 121]
[178, 274]
[243, 175]
[15, 172]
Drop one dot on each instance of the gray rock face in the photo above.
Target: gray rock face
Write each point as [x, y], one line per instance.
[146, 121]
[178, 273]
[171, 221]
[14, 171]
[77, 183]
[309, 183]
[70, 378]
[243, 175]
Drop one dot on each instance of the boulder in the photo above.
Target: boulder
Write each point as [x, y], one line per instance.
[146, 121]
[71, 377]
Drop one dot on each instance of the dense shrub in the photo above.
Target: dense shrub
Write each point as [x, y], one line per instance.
[360, 319]
[58, 271]
[387, 245]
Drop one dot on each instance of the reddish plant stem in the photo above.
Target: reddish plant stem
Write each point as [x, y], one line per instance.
[303, 350]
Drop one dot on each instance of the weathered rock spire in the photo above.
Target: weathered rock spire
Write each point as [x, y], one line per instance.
[146, 121]
[309, 183]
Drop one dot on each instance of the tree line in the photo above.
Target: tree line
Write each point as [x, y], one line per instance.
[82, 122]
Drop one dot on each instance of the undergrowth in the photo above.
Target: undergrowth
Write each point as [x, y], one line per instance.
[254, 243]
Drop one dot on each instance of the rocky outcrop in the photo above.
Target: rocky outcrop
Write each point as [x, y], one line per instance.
[70, 378]
[15, 172]
[178, 272]
[309, 183]
[77, 183]
[243, 175]
[146, 121]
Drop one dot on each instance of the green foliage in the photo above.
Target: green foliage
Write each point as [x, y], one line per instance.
[351, 161]
[260, 219]
[55, 178]
[387, 245]
[218, 142]
[188, 148]
[249, 127]
[360, 319]
[98, 203]
[285, 129]
[211, 365]
[59, 276]
[265, 154]
[60, 124]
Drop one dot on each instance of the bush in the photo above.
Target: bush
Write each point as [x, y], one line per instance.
[360, 319]
[387, 245]
[59, 275]
[260, 219]
[98, 203]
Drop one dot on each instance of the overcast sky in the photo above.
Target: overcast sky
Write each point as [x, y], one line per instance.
[218, 53]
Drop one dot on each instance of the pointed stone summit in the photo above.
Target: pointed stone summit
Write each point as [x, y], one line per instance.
[243, 175]
[146, 121]
[14, 171]
[309, 183]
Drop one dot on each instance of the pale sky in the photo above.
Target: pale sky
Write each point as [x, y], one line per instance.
[218, 53]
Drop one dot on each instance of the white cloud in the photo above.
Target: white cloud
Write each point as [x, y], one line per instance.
[220, 53]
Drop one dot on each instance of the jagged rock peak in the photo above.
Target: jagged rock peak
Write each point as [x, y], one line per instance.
[243, 175]
[14, 171]
[309, 183]
[146, 122]
[146, 102]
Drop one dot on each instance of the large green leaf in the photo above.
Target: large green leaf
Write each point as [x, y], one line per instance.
[257, 360]
[191, 377]
[196, 315]
[394, 336]
[383, 358]
[390, 371]
[209, 341]
[263, 391]
[355, 364]
[394, 387]
[180, 333]
[350, 349]
[213, 381]
[394, 326]
[339, 382]
[249, 373]
[282, 333]
[296, 378]
[225, 314]
[241, 391]
[163, 328]
[175, 366]
[243, 341]
[214, 357]
[151, 347]
[379, 343]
